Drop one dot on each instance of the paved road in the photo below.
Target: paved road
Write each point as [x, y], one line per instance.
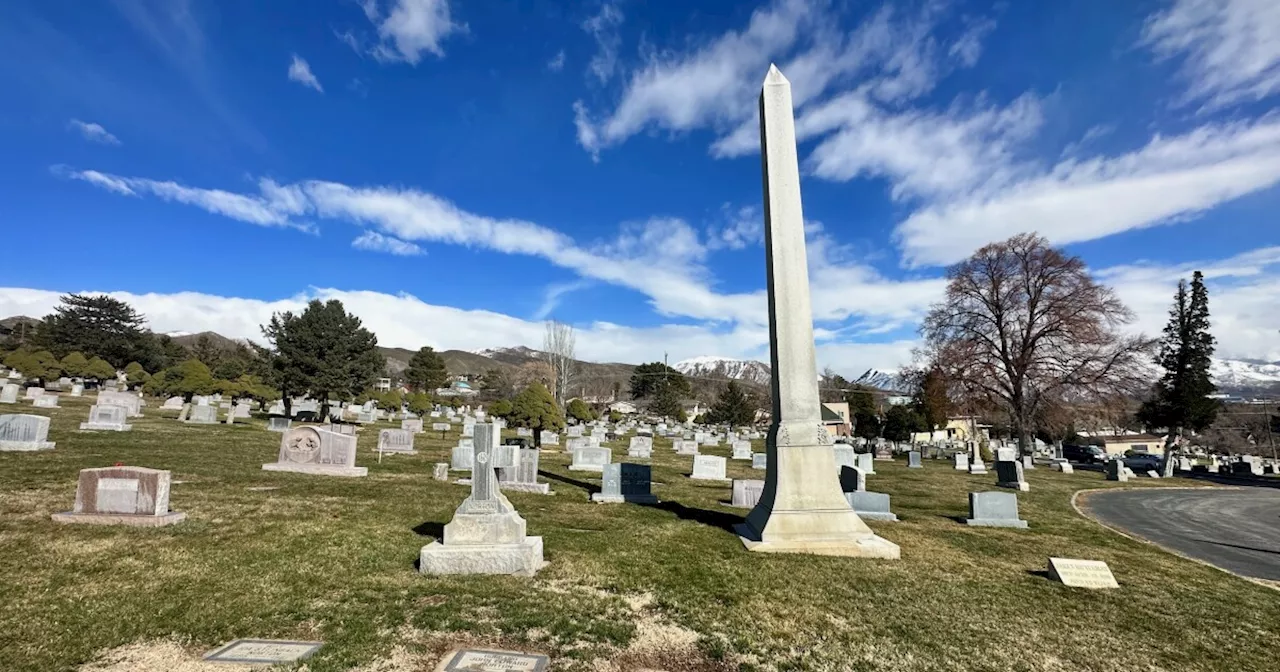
[1236, 529]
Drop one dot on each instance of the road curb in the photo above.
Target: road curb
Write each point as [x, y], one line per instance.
[1075, 504]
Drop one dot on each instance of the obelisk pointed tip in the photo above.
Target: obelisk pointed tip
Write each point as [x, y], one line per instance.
[775, 76]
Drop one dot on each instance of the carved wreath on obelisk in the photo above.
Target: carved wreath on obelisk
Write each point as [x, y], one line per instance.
[302, 445]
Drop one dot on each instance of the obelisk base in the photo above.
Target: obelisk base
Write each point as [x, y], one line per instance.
[803, 509]
[851, 546]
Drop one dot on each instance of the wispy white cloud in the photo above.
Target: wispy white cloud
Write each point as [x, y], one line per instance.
[737, 229]
[93, 132]
[714, 84]
[409, 29]
[556, 64]
[924, 154]
[274, 205]
[1079, 200]
[968, 48]
[1242, 298]
[969, 172]
[707, 86]
[351, 39]
[663, 258]
[300, 72]
[372, 241]
[1230, 49]
[108, 182]
[603, 28]
[553, 295]
[173, 30]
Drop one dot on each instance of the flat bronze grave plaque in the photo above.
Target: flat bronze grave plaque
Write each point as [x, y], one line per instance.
[482, 660]
[268, 651]
[1092, 574]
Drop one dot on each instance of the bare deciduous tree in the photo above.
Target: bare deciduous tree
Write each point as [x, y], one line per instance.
[1024, 326]
[538, 371]
[558, 346]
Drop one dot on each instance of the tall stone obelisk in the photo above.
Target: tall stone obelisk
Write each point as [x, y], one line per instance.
[802, 508]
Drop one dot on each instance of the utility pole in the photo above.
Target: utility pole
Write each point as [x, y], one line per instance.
[1271, 439]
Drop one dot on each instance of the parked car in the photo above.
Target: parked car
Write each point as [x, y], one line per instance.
[1084, 454]
[1141, 462]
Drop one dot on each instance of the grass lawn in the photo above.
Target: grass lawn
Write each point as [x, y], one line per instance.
[293, 556]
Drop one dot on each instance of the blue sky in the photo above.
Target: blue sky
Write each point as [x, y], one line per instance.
[458, 172]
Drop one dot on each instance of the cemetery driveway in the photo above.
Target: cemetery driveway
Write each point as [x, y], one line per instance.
[1237, 529]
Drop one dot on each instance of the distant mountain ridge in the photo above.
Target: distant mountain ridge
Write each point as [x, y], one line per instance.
[1246, 377]
[218, 341]
[599, 379]
[889, 380]
[748, 370]
[9, 324]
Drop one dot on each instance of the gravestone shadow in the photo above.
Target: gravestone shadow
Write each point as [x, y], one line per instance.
[724, 521]
[1236, 546]
[1042, 573]
[1237, 480]
[591, 488]
[430, 529]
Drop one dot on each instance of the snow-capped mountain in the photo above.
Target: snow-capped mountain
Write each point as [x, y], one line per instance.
[886, 379]
[516, 351]
[725, 367]
[1244, 373]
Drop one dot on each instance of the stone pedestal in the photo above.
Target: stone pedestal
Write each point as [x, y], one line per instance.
[24, 433]
[625, 483]
[802, 508]
[523, 477]
[871, 505]
[1009, 475]
[307, 450]
[107, 419]
[134, 496]
[486, 535]
[746, 493]
[994, 509]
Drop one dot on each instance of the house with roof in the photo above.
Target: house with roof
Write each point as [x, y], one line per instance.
[836, 419]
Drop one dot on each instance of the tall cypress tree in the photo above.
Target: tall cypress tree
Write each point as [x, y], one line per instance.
[1180, 400]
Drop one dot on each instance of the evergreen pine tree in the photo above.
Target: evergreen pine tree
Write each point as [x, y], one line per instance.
[862, 406]
[578, 410]
[732, 407]
[536, 409]
[666, 403]
[95, 324]
[426, 371]
[324, 351]
[1180, 400]
[648, 380]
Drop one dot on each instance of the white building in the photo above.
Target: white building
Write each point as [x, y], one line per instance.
[457, 388]
[623, 407]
